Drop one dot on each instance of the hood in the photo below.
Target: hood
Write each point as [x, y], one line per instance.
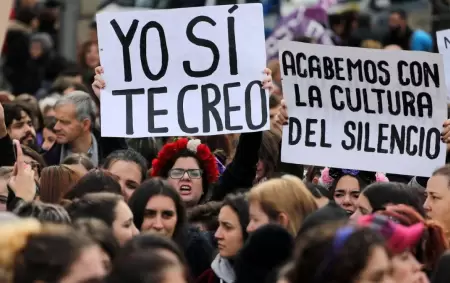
[15, 25]
[223, 269]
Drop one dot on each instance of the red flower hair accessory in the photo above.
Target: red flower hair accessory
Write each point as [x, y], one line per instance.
[202, 152]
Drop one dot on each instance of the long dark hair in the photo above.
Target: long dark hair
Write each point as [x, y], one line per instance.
[159, 187]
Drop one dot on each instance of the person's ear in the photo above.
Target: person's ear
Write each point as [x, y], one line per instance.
[315, 180]
[283, 219]
[86, 125]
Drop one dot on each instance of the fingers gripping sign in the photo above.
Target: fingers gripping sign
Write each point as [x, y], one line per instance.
[22, 182]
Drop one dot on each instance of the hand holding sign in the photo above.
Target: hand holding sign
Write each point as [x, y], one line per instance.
[99, 82]
[22, 182]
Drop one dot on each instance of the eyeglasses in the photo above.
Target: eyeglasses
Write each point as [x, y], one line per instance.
[178, 173]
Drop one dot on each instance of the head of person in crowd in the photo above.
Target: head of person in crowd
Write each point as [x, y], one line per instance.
[148, 267]
[158, 208]
[29, 101]
[108, 207]
[340, 254]
[231, 233]
[72, 72]
[19, 123]
[93, 31]
[433, 242]
[64, 85]
[48, 133]
[77, 257]
[400, 241]
[95, 181]
[27, 16]
[5, 173]
[44, 212]
[75, 118]
[313, 174]
[79, 162]
[205, 216]
[35, 160]
[130, 168]
[89, 57]
[41, 44]
[437, 203]
[371, 44]
[46, 106]
[259, 259]
[398, 22]
[378, 196]
[345, 185]
[102, 235]
[268, 157]
[55, 182]
[189, 166]
[285, 201]
[320, 193]
[147, 147]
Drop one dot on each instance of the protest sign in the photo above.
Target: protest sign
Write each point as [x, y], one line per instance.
[5, 11]
[443, 43]
[183, 72]
[365, 109]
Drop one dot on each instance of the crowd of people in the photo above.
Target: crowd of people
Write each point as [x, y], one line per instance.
[78, 207]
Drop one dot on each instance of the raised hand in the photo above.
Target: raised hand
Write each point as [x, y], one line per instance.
[98, 83]
[22, 182]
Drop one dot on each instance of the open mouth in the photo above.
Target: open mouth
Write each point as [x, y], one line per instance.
[185, 189]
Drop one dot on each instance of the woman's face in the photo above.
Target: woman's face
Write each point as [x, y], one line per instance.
[160, 216]
[129, 176]
[260, 172]
[89, 267]
[377, 269]
[405, 268]
[229, 234]
[346, 193]
[123, 226]
[49, 139]
[258, 217]
[363, 207]
[92, 57]
[189, 184]
[437, 203]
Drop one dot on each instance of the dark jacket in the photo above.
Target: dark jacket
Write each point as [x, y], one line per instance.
[52, 157]
[198, 251]
[241, 172]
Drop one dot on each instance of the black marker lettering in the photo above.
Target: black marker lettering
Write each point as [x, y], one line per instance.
[129, 106]
[126, 40]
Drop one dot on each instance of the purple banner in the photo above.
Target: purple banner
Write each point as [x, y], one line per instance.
[301, 22]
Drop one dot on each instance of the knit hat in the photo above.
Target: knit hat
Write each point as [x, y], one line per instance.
[44, 39]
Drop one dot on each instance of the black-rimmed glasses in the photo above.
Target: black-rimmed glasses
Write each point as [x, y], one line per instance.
[178, 173]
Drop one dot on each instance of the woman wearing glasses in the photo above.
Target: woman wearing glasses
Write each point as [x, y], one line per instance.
[158, 208]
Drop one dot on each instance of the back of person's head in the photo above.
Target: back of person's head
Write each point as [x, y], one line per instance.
[26, 15]
[101, 206]
[100, 233]
[286, 195]
[433, 242]
[318, 191]
[79, 159]
[269, 153]
[333, 253]
[205, 215]
[94, 182]
[259, 258]
[147, 267]
[127, 155]
[380, 195]
[158, 187]
[151, 242]
[48, 256]
[442, 270]
[55, 182]
[44, 212]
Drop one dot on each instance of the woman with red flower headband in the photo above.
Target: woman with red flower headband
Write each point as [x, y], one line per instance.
[191, 168]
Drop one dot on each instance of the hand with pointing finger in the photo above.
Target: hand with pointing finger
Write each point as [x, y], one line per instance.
[22, 182]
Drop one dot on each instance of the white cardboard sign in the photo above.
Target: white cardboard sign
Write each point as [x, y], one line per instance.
[365, 109]
[183, 72]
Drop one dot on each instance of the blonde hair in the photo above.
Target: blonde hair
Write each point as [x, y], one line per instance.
[287, 195]
[372, 44]
[15, 236]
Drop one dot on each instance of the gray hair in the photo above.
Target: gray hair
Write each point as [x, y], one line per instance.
[84, 105]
